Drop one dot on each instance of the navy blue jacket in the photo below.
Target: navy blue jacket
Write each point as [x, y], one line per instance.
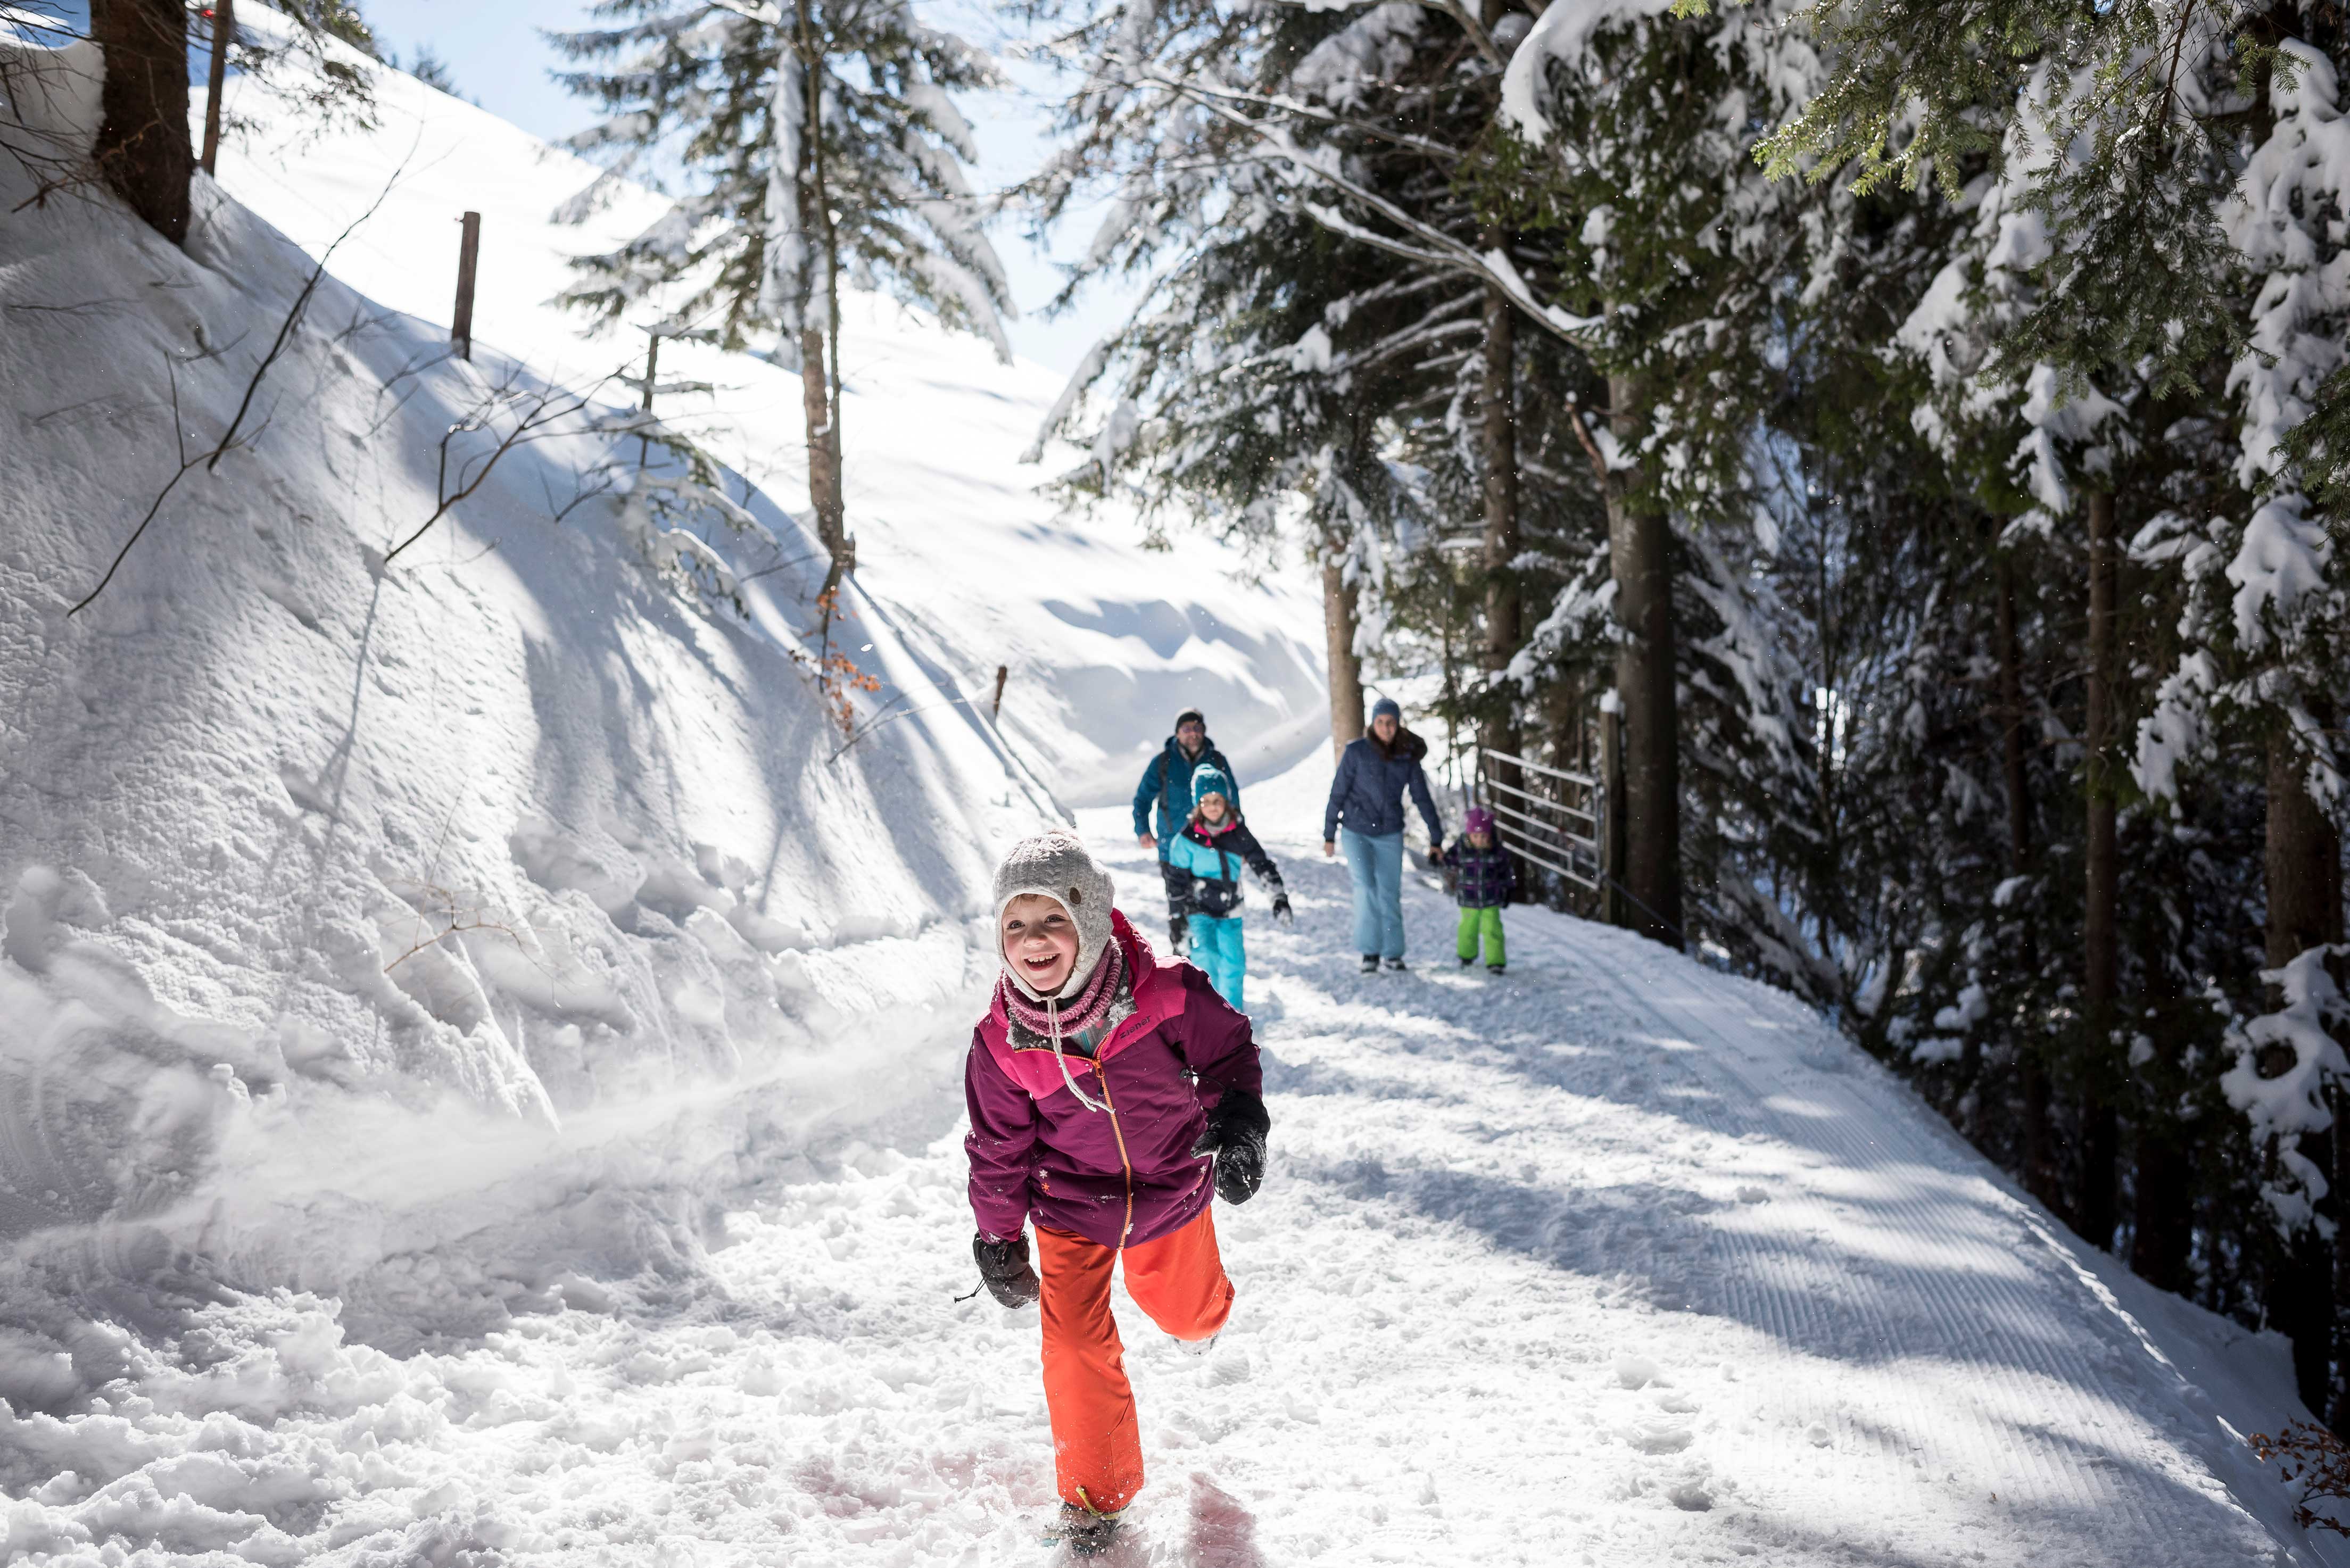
[1367, 793]
[1167, 780]
[1487, 876]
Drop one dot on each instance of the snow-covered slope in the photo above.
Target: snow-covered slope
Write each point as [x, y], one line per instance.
[358, 909]
[956, 553]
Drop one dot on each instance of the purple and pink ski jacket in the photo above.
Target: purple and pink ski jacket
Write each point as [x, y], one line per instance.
[1122, 1176]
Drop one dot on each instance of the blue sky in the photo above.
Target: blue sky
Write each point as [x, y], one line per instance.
[497, 56]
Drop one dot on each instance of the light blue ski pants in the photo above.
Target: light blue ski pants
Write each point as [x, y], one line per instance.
[1378, 868]
[1216, 948]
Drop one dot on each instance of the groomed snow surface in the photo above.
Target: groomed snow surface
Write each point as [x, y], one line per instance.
[1610, 1260]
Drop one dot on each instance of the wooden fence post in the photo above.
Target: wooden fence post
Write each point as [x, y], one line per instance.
[223, 23]
[995, 709]
[469, 252]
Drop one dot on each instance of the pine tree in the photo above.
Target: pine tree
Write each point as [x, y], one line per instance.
[2141, 158]
[816, 138]
[1638, 133]
[1295, 174]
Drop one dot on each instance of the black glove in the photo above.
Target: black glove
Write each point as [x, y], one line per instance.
[1236, 1135]
[1179, 934]
[1281, 909]
[1003, 1269]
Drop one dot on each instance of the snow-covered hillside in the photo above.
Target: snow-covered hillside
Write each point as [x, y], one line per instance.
[956, 553]
[348, 897]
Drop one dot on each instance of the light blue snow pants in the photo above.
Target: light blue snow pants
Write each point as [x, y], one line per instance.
[1378, 868]
[1216, 948]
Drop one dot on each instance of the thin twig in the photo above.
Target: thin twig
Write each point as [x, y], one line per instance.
[229, 437]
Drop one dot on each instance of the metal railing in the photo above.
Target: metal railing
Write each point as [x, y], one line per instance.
[1560, 829]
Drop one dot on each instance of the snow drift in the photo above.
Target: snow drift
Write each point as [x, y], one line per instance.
[354, 908]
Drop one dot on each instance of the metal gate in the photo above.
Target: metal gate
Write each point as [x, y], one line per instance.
[1556, 826]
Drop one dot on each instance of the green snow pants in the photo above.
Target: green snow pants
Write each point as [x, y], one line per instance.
[1485, 923]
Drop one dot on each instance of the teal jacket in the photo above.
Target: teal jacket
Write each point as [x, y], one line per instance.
[1214, 857]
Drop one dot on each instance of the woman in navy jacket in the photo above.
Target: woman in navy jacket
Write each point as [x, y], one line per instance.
[1366, 798]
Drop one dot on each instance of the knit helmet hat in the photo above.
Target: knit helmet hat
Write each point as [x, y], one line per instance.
[1386, 707]
[1207, 779]
[1478, 820]
[1056, 865]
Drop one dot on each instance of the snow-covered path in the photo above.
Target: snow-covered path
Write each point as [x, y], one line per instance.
[1609, 1261]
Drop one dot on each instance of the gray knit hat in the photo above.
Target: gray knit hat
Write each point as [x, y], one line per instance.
[1056, 865]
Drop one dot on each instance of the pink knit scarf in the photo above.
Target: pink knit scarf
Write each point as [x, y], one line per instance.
[1079, 1013]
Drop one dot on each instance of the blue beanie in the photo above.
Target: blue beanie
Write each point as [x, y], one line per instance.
[1389, 707]
[1207, 779]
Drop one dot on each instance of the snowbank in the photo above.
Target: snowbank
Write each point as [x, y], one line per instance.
[352, 910]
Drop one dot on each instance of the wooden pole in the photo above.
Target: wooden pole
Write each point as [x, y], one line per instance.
[223, 15]
[469, 254]
[995, 708]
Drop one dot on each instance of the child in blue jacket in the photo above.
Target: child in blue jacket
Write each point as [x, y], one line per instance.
[1211, 850]
[1487, 879]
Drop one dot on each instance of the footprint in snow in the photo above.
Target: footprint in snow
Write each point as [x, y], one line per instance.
[1690, 1497]
[1653, 1435]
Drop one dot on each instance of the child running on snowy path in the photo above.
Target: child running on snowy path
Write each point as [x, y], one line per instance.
[1109, 1094]
[1212, 847]
[1487, 881]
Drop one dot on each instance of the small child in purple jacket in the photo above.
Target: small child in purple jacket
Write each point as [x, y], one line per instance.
[1111, 1094]
[1486, 880]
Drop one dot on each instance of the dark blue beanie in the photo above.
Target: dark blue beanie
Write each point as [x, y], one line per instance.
[1389, 706]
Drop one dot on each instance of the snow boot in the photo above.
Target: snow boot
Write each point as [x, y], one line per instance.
[1467, 961]
[1397, 966]
[1370, 963]
[1088, 1531]
[1491, 968]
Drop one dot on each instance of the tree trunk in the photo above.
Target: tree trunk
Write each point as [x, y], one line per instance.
[2040, 1176]
[142, 149]
[223, 33]
[2304, 863]
[2304, 911]
[1345, 664]
[2163, 1217]
[1504, 632]
[1613, 908]
[1498, 445]
[1640, 551]
[1570, 752]
[823, 444]
[2101, 958]
[820, 340]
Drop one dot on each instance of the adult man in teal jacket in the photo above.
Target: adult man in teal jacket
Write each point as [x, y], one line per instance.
[1167, 780]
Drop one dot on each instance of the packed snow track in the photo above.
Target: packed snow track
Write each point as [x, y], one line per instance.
[1609, 1261]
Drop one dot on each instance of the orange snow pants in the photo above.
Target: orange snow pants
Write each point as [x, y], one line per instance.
[1179, 1279]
